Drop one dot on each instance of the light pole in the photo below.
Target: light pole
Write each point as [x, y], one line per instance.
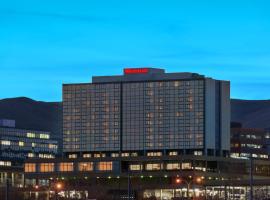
[251, 177]
[198, 180]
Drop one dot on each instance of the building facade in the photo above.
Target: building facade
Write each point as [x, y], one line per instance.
[249, 142]
[147, 112]
[16, 145]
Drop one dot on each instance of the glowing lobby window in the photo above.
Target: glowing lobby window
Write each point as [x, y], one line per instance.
[135, 167]
[87, 155]
[72, 155]
[66, 167]
[5, 142]
[154, 154]
[30, 167]
[153, 166]
[105, 166]
[46, 167]
[31, 135]
[186, 165]
[114, 155]
[173, 166]
[85, 166]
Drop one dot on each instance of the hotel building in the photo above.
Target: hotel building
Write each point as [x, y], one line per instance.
[147, 112]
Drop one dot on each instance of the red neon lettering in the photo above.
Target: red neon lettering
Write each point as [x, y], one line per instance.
[136, 71]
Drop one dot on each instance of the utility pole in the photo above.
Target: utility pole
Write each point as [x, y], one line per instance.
[251, 183]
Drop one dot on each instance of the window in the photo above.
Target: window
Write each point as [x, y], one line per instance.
[5, 163]
[21, 144]
[105, 166]
[30, 167]
[186, 166]
[173, 166]
[154, 154]
[114, 155]
[66, 167]
[46, 167]
[31, 135]
[44, 136]
[135, 167]
[72, 155]
[198, 153]
[86, 166]
[52, 146]
[31, 155]
[125, 154]
[173, 153]
[5, 142]
[87, 155]
[153, 166]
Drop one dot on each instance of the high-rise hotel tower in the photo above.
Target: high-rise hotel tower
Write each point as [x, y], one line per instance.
[147, 111]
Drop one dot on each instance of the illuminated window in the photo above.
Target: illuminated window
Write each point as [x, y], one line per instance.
[135, 167]
[52, 146]
[134, 154]
[154, 154]
[72, 155]
[87, 155]
[33, 144]
[114, 155]
[31, 135]
[173, 166]
[46, 167]
[66, 167]
[97, 155]
[153, 166]
[198, 153]
[30, 167]
[125, 154]
[105, 166]
[173, 153]
[44, 155]
[5, 142]
[86, 166]
[21, 144]
[186, 166]
[44, 136]
[5, 163]
[31, 155]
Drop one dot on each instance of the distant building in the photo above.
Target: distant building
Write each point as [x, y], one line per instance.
[247, 142]
[16, 145]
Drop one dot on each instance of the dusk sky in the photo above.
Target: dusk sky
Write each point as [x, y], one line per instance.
[44, 43]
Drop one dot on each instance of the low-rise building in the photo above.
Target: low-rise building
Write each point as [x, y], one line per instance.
[248, 142]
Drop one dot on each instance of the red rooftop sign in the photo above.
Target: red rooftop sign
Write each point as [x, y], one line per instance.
[136, 70]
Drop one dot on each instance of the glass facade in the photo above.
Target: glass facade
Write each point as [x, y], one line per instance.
[91, 117]
[19, 144]
[163, 115]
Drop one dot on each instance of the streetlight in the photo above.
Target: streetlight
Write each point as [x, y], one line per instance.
[198, 180]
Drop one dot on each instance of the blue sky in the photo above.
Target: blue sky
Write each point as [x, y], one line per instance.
[46, 43]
